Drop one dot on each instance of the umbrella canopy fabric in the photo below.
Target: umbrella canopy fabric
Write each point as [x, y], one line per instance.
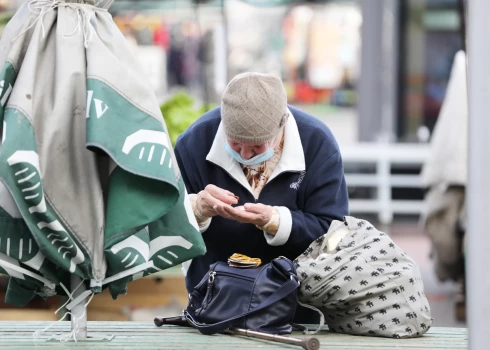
[72, 94]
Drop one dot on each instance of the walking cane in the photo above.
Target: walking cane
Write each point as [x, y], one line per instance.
[309, 343]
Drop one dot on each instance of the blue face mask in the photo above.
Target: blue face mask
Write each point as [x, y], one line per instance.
[259, 158]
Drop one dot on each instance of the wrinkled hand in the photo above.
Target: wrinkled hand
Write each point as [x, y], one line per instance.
[213, 196]
[256, 214]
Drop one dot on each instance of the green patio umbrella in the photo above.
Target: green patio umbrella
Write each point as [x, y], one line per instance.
[71, 94]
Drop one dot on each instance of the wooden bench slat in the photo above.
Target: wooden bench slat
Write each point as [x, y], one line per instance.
[133, 335]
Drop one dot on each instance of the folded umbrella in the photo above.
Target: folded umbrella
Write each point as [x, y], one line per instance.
[71, 94]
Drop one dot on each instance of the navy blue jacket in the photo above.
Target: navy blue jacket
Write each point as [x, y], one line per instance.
[315, 197]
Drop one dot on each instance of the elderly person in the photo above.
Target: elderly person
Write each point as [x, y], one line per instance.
[265, 179]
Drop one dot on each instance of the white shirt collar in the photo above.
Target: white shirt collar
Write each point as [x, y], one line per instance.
[292, 159]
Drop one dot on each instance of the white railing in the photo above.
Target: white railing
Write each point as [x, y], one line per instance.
[383, 156]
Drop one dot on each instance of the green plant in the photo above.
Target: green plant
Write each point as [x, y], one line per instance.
[179, 112]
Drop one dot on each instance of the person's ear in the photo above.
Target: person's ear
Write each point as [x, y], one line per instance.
[284, 120]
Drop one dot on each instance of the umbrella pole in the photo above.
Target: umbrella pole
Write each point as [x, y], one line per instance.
[79, 312]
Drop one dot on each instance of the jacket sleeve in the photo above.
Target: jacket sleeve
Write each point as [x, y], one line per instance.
[325, 199]
[187, 170]
[186, 166]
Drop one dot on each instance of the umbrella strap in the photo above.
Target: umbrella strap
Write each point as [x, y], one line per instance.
[72, 302]
[79, 299]
[42, 7]
[70, 295]
[129, 272]
[26, 272]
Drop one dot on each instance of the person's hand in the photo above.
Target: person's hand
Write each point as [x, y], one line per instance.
[256, 214]
[213, 196]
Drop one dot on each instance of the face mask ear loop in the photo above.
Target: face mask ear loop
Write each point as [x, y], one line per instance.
[271, 143]
[276, 140]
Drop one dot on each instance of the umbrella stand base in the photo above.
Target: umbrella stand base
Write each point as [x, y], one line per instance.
[92, 338]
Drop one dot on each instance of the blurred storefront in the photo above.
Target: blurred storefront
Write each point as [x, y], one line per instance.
[430, 37]
[408, 50]
[382, 63]
[321, 53]
[315, 47]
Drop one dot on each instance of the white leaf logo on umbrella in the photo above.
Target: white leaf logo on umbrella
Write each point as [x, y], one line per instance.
[148, 136]
[30, 181]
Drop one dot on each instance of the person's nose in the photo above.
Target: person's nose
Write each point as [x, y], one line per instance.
[246, 153]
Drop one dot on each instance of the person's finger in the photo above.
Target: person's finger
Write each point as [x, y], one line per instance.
[229, 212]
[263, 212]
[207, 203]
[220, 209]
[256, 208]
[242, 215]
[221, 194]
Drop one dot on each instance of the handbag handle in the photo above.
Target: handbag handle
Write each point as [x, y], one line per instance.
[218, 327]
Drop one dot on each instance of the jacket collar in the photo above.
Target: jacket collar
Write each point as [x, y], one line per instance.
[292, 159]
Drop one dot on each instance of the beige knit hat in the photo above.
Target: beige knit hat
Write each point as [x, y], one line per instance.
[254, 107]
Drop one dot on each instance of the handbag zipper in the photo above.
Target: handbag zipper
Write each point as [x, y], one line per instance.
[211, 278]
[209, 290]
[213, 274]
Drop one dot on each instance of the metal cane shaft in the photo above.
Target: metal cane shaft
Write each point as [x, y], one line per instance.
[266, 336]
[308, 343]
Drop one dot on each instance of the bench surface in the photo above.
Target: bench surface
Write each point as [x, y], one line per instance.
[137, 335]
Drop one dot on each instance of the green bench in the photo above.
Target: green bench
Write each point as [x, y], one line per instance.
[143, 336]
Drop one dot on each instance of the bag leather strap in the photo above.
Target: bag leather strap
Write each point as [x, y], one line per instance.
[213, 328]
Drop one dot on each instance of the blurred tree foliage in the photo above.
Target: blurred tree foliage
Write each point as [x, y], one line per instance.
[180, 112]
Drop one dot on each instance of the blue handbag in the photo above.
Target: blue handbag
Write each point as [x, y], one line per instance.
[262, 299]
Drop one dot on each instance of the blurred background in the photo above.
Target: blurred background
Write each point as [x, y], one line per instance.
[376, 72]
